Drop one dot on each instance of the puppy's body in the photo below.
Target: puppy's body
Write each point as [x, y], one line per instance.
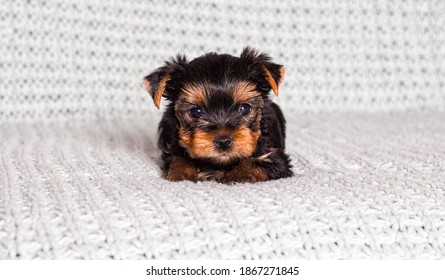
[220, 124]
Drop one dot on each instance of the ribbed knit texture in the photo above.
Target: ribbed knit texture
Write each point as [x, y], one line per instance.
[363, 95]
[365, 187]
[84, 60]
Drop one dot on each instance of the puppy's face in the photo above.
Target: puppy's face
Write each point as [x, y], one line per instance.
[219, 123]
[218, 101]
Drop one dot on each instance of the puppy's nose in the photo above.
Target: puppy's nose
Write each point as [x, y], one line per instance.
[223, 142]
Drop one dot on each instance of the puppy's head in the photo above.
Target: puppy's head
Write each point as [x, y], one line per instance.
[218, 101]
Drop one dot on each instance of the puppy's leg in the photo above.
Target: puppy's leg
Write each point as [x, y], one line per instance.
[276, 164]
[180, 169]
[248, 170]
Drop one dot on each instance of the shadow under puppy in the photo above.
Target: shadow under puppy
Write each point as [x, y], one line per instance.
[220, 123]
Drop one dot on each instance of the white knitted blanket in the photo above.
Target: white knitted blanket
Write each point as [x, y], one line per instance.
[366, 186]
[364, 98]
[84, 60]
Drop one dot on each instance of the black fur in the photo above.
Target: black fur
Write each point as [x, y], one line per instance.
[219, 74]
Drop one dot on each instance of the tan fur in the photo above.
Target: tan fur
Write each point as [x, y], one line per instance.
[245, 91]
[200, 145]
[246, 171]
[184, 139]
[194, 94]
[282, 71]
[147, 86]
[181, 169]
[270, 80]
[160, 91]
[246, 141]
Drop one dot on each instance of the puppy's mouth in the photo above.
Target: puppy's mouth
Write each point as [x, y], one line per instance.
[221, 146]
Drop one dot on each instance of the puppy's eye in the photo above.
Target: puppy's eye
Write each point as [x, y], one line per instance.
[244, 109]
[195, 112]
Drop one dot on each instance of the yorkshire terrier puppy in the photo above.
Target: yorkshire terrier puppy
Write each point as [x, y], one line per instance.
[220, 123]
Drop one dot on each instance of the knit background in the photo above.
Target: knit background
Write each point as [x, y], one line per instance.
[363, 97]
[365, 188]
[84, 60]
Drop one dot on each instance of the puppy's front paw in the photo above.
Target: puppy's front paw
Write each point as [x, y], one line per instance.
[181, 169]
[246, 171]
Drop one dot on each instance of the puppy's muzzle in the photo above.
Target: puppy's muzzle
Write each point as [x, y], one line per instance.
[223, 143]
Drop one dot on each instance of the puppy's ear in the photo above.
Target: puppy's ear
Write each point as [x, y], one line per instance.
[272, 73]
[156, 82]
